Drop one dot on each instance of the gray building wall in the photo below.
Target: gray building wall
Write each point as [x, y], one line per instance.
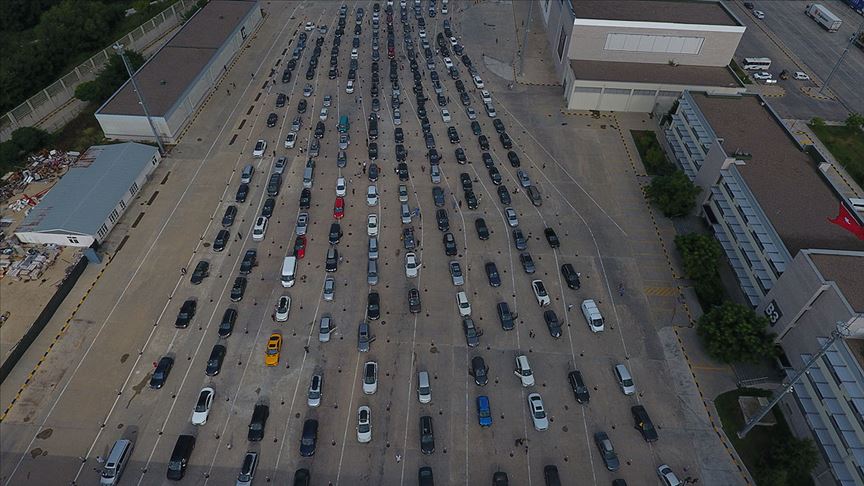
[558, 18]
[625, 96]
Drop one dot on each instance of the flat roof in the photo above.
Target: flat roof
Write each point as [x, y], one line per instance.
[671, 11]
[793, 194]
[83, 198]
[640, 72]
[847, 271]
[165, 77]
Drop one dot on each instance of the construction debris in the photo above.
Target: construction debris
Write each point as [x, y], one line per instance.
[41, 166]
[32, 266]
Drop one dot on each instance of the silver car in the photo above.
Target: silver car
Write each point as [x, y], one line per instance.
[456, 273]
[329, 288]
[325, 328]
[364, 337]
[524, 180]
[302, 224]
[538, 412]
[307, 90]
[343, 141]
[435, 174]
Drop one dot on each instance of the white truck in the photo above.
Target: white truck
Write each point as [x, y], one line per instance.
[823, 17]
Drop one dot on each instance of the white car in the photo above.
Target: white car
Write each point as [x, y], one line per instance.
[538, 412]
[667, 476]
[283, 308]
[412, 268]
[329, 288]
[313, 398]
[372, 225]
[463, 304]
[309, 26]
[325, 328]
[328, 100]
[472, 114]
[759, 14]
[512, 219]
[323, 115]
[260, 228]
[540, 293]
[372, 196]
[487, 96]
[453, 42]
[290, 140]
[397, 117]
[422, 33]
[260, 148]
[354, 53]
[302, 224]
[448, 63]
[349, 88]
[307, 90]
[202, 408]
[445, 115]
[456, 273]
[364, 425]
[403, 193]
[478, 82]
[370, 377]
[801, 76]
[341, 189]
[490, 110]
[523, 371]
[762, 76]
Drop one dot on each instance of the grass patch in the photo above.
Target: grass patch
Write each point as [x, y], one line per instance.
[846, 145]
[742, 74]
[752, 448]
[653, 158]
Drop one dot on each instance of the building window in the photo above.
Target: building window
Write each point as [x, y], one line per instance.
[134, 189]
[617, 91]
[72, 239]
[562, 39]
[122, 204]
[654, 43]
[580, 89]
[102, 231]
[113, 216]
[644, 92]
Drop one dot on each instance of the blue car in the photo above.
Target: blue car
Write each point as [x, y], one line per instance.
[484, 412]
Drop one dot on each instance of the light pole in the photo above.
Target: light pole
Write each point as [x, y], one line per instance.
[842, 56]
[122, 53]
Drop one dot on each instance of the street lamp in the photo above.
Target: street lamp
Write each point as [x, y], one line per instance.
[122, 53]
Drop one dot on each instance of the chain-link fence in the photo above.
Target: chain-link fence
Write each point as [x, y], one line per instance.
[42, 106]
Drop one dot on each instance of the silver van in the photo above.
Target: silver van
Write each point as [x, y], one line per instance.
[372, 272]
[424, 389]
[116, 462]
[246, 175]
[406, 214]
[308, 177]
[373, 248]
[625, 380]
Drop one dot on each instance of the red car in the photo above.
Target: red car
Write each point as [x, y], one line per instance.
[339, 207]
[300, 247]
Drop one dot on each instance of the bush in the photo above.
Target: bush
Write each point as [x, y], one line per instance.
[817, 122]
[651, 153]
[855, 120]
[734, 333]
[701, 255]
[109, 79]
[787, 459]
[673, 193]
[30, 139]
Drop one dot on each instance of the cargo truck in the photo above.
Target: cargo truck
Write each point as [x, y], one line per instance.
[823, 17]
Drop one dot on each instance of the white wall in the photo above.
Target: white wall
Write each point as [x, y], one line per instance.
[608, 99]
[84, 241]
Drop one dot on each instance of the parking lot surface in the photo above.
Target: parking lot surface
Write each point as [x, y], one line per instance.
[94, 388]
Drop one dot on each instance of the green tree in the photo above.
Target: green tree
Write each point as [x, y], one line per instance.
[787, 459]
[817, 122]
[855, 120]
[9, 156]
[673, 193]
[75, 26]
[112, 76]
[734, 333]
[29, 139]
[701, 254]
[18, 15]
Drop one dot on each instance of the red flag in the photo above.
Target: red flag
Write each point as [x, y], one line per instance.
[848, 222]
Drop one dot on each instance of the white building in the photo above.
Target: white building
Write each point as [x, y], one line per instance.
[640, 55]
[90, 198]
[177, 79]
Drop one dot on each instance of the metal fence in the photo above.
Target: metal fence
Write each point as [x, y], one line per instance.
[43, 105]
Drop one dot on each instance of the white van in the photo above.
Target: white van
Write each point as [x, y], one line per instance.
[260, 228]
[592, 315]
[117, 459]
[289, 266]
[424, 389]
[625, 379]
[406, 214]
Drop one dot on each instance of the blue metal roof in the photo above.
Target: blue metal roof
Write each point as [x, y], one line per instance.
[84, 197]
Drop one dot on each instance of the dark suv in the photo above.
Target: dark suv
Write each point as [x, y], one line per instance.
[309, 439]
[227, 324]
[160, 374]
[202, 271]
[580, 390]
[187, 312]
[258, 422]
[427, 436]
[214, 364]
[570, 276]
[643, 423]
[250, 260]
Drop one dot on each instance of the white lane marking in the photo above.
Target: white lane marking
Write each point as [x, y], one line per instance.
[348, 418]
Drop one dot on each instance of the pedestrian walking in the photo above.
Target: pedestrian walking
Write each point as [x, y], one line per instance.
[239, 235]
[229, 92]
[569, 307]
[398, 458]
[273, 316]
[352, 191]
[183, 271]
[531, 334]
[621, 289]
[460, 203]
[306, 348]
[233, 85]
[99, 459]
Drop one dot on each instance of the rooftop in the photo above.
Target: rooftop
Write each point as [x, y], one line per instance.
[84, 197]
[847, 271]
[639, 72]
[796, 199]
[670, 11]
[165, 77]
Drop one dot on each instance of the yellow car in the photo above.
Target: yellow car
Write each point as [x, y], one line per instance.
[274, 344]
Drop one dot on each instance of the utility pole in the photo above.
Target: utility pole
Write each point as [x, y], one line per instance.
[841, 330]
[842, 56]
[525, 38]
[118, 47]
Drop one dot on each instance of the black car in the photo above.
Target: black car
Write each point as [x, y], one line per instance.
[570, 276]
[309, 438]
[227, 324]
[427, 435]
[534, 195]
[442, 100]
[250, 260]
[221, 240]
[272, 118]
[238, 289]
[202, 271]
[527, 263]
[401, 153]
[499, 126]
[470, 199]
[425, 477]
[500, 479]
[552, 323]
[333, 73]
[465, 179]
[242, 193]
[442, 219]
[484, 142]
[402, 170]
[464, 98]
[301, 106]
[399, 135]
[513, 158]
[505, 140]
[214, 363]
[408, 238]
[438, 196]
[372, 172]
[505, 316]
[331, 261]
[414, 301]
[460, 156]
[519, 240]
[286, 76]
[302, 477]
[305, 198]
[310, 73]
[269, 206]
[335, 233]
[479, 371]
[373, 151]
[291, 64]
[373, 306]
[160, 374]
[504, 195]
[550, 474]
[551, 237]
[319, 130]
[460, 86]
[482, 229]
[487, 160]
[433, 156]
[475, 128]
[495, 175]
[492, 274]
[280, 100]
[187, 312]
[228, 217]
[452, 134]
[580, 390]
[449, 244]
[258, 422]
[643, 423]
